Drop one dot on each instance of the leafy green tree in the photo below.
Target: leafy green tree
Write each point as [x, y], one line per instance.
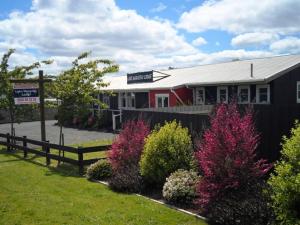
[78, 86]
[285, 181]
[6, 87]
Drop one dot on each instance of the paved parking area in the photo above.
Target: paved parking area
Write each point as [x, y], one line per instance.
[72, 136]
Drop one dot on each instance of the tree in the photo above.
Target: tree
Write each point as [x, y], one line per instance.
[227, 155]
[285, 181]
[6, 87]
[78, 86]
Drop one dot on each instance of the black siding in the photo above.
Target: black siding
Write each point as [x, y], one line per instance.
[142, 100]
[284, 88]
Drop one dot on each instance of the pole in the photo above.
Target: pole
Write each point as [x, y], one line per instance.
[42, 105]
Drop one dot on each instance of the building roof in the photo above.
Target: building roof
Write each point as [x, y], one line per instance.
[236, 72]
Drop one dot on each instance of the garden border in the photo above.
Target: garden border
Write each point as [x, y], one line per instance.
[159, 202]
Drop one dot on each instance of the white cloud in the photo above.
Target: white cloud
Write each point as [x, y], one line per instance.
[159, 8]
[254, 39]
[243, 16]
[65, 28]
[62, 29]
[286, 45]
[199, 41]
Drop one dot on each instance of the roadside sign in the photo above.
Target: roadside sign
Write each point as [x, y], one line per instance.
[26, 93]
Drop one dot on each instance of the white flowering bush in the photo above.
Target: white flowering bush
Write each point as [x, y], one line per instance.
[180, 187]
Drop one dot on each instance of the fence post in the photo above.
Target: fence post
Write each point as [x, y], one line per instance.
[80, 160]
[25, 146]
[47, 150]
[8, 142]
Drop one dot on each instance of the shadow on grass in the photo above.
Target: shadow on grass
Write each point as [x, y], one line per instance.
[64, 169]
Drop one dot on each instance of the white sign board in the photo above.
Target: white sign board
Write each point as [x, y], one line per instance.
[26, 93]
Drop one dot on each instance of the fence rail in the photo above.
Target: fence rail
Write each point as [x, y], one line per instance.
[10, 143]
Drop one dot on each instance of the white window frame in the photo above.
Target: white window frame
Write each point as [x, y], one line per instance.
[249, 93]
[219, 88]
[196, 102]
[106, 100]
[127, 99]
[257, 93]
[162, 96]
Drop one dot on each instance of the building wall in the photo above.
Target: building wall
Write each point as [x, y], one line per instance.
[141, 100]
[284, 88]
[185, 94]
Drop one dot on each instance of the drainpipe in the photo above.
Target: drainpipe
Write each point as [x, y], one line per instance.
[180, 100]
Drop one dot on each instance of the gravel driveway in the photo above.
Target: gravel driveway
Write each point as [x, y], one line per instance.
[72, 136]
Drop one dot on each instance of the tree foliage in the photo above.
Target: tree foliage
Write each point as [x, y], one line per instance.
[285, 181]
[78, 86]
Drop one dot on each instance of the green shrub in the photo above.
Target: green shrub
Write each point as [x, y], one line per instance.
[285, 181]
[166, 150]
[100, 170]
[180, 187]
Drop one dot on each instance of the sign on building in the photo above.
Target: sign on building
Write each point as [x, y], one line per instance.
[141, 77]
[26, 93]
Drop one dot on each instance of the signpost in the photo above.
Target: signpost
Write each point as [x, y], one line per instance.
[29, 91]
[26, 93]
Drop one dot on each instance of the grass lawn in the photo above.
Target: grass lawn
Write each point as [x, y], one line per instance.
[90, 155]
[31, 193]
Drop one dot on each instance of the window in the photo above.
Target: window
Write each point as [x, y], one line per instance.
[222, 95]
[130, 100]
[127, 100]
[106, 100]
[123, 100]
[263, 94]
[244, 94]
[200, 96]
[298, 91]
[162, 100]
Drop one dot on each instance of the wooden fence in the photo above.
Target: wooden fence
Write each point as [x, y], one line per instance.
[272, 122]
[11, 143]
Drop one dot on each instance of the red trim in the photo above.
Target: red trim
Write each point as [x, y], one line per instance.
[185, 94]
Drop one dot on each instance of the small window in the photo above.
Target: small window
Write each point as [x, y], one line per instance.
[222, 95]
[106, 100]
[162, 100]
[263, 94]
[298, 92]
[200, 96]
[244, 94]
[127, 100]
[123, 99]
[131, 100]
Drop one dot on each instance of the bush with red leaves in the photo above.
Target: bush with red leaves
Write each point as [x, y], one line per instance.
[226, 155]
[125, 154]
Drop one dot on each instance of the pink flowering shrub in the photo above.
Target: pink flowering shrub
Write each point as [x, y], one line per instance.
[125, 154]
[226, 155]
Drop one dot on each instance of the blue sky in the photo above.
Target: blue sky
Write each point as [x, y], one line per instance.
[143, 35]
